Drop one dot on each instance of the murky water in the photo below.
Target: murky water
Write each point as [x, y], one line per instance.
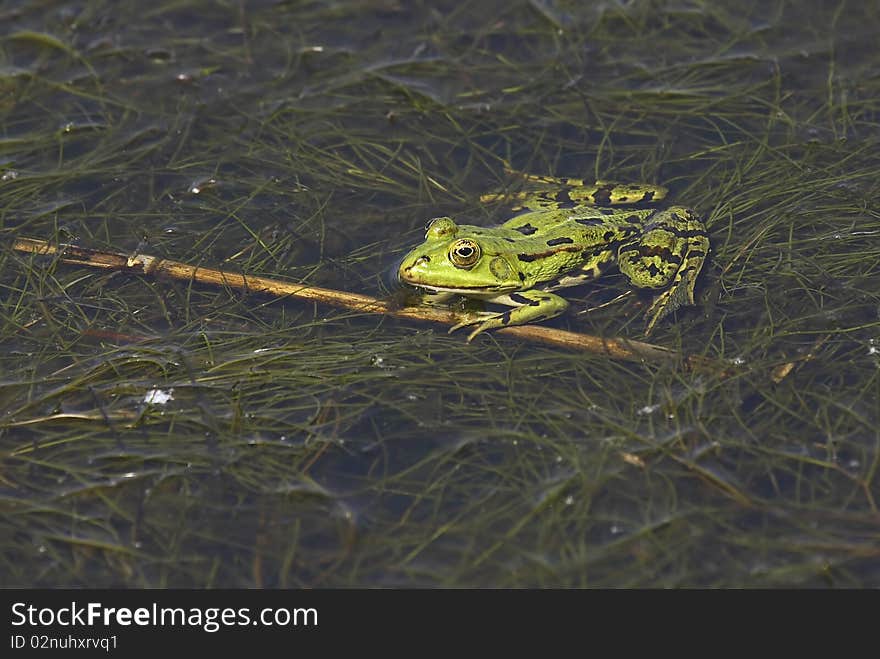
[163, 433]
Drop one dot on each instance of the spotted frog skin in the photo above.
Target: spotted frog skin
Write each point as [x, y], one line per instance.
[568, 232]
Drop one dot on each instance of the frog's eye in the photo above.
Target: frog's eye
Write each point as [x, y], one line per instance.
[464, 253]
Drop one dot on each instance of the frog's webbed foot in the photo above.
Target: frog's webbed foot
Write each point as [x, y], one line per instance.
[480, 318]
[665, 303]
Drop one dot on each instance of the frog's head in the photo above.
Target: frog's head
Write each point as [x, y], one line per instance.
[458, 259]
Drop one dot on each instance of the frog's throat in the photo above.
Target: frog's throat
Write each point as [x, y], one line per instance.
[472, 291]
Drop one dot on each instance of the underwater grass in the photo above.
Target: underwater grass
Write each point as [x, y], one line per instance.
[306, 446]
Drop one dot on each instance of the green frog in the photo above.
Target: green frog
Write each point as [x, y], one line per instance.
[569, 232]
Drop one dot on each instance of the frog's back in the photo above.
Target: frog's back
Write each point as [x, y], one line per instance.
[536, 231]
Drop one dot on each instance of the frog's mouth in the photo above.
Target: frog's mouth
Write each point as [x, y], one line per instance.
[461, 290]
[470, 291]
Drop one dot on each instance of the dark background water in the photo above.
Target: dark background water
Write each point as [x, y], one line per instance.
[311, 447]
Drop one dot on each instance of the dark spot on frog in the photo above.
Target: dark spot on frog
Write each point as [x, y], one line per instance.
[648, 196]
[607, 236]
[602, 195]
[522, 276]
[521, 299]
[653, 250]
[590, 221]
[505, 318]
[528, 258]
[526, 229]
[562, 196]
[680, 233]
[560, 241]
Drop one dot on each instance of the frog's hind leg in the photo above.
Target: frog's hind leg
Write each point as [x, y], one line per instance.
[553, 181]
[533, 199]
[670, 252]
[573, 193]
[565, 192]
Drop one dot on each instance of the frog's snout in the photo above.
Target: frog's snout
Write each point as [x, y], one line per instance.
[409, 269]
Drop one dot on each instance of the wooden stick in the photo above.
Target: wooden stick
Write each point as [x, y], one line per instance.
[143, 264]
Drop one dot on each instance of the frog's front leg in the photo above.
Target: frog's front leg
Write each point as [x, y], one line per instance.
[528, 306]
[670, 252]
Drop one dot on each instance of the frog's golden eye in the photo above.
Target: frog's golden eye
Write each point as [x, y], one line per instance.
[464, 253]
